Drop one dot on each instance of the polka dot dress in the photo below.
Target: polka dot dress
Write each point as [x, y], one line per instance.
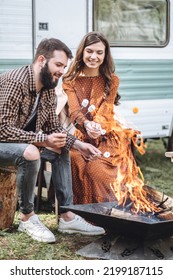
[92, 179]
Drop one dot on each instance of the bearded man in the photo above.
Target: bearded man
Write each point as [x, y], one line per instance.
[30, 130]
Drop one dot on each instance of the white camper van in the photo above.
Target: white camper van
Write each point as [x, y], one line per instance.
[140, 33]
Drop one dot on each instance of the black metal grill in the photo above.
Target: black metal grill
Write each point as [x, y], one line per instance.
[145, 227]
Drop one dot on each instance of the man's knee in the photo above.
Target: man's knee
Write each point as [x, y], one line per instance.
[31, 153]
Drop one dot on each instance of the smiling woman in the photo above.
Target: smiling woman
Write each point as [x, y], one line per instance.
[91, 76]
[93, 57]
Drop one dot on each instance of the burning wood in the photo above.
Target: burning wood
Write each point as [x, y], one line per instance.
[162, 202]
[140, 201]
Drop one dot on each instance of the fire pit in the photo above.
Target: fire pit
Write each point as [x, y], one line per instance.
[120, 221]
[129, 235]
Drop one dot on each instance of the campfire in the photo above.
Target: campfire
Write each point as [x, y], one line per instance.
[143, 202]
[139, 219]
[130, 235]
[120, 219]
[128, 187]
[133, 195]
[137, 210]
[137, 200]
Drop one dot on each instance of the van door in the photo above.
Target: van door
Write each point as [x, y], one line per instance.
[65, 20]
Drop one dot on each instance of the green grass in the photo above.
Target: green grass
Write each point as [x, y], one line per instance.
[158, 174]
[15, 245]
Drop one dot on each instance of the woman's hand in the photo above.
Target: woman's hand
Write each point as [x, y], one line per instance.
[93, 129]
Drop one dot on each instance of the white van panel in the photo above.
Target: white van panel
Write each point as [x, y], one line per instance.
[16, 29]
[153, 117]
[66, 21]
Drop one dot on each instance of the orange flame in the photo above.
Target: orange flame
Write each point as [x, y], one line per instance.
[136, 195]
[127, 185]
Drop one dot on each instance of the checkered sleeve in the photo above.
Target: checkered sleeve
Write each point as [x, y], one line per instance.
[13, 120]
[53, 125]
[10, 93]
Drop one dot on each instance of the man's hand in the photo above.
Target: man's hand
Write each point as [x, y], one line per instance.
[56, 140]
[88, 151]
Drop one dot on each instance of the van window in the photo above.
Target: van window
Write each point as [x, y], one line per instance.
[133, 22]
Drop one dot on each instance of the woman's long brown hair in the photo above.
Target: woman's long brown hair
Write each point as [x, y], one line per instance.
[106, 68]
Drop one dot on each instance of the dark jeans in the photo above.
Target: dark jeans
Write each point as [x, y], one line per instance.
[61, 176]
[11, 154]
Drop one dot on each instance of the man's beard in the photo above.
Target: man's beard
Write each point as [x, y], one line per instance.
[46, 78]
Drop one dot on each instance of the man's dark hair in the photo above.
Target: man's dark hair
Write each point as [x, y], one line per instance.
[48, 46]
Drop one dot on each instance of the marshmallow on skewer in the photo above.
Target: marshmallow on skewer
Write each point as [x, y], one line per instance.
[90, 109]
[103, 131]
[84, 103]
[106, 154]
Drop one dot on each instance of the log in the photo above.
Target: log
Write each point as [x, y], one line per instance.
[8, 197]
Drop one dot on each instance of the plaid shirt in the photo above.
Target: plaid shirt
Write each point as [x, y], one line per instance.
[17, 99]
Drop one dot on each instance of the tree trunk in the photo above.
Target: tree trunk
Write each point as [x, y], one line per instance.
[8, 197]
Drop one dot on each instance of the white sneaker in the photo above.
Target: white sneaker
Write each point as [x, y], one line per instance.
[34, 228]
[79, 225]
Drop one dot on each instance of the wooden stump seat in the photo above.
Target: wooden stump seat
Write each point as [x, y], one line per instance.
[8, 196]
